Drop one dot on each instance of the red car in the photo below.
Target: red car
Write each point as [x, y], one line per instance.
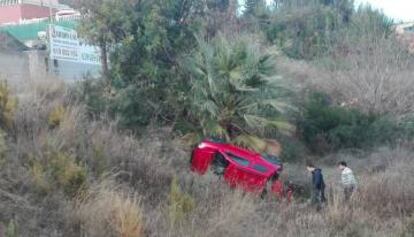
[240, 167]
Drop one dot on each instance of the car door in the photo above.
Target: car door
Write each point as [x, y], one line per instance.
[240, 173]
[201, 159]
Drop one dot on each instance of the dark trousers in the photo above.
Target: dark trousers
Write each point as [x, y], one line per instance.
[348, 191]
[318, 197]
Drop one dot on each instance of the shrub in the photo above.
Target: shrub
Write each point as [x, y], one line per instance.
[100, 160]
[56, 116]
[106, 210]
[3, 148]
[94, 94]
[325, 127]
[41, 184]
[180, 203]
[8, 106]
[11, 230]
[408, 228]
[69, 175]
[58, 171]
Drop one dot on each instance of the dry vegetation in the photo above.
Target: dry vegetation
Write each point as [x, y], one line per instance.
[374, 76]
[70, 176]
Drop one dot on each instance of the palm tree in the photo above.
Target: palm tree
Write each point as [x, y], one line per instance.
[235, 93]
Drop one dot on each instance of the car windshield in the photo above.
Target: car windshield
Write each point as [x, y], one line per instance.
[239, 160]
[272, 159]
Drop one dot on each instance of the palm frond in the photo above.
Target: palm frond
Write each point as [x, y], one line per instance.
[278, 105]
[282, 126]
[210, 107]
[251, 142]
[191, 139]
[212, 128]
[261, 123]
[234, 84]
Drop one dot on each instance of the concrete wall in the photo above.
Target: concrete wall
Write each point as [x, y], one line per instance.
[70, 71]
[20, 67]
[14, 67]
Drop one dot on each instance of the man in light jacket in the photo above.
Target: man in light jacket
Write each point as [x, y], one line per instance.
[348, 180]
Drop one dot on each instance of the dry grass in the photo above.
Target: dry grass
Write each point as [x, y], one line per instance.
[139, 199]
[108, 211]
[373, 76]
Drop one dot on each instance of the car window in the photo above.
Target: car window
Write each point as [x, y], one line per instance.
[272, 159]
[239, 160]
[260, 168]
[219, 160]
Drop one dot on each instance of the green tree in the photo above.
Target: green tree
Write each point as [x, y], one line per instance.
[105, 24]
[235, 93]
[307, 29]
[253, 6]
[145, 68]
[144, 39]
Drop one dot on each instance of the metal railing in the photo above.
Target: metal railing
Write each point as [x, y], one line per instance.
[46, 3]
[9, 2]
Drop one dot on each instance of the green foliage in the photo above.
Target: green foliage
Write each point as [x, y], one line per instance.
[100, 160]
[58, 170]
[218, 4]
[67, 173]
[371, 23]
[408, 229]
[180, 203]
[254, 7]
[145, 70]
[56, 116]
[303, 31]
[3, 148]
[11, 230]
[234, 90]
[222, 85]
[106, 24]
[97, 97]
[325, 127]
[8, 106]
[312, 29]
[293, 149]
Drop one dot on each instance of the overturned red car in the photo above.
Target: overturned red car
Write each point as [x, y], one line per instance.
[240, 167]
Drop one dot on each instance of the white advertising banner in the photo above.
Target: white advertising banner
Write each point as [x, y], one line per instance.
[65, 45]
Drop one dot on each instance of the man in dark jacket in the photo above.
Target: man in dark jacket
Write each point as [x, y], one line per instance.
[318, 186]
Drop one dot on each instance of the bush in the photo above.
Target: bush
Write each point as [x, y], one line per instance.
[69, 175]
[325, 127]
[11, 229]
[106, 210]
[8, 106]
[94, 94]
[3, 148]
[180, 203]
[56, 116]
[58, 171]
[408, 228]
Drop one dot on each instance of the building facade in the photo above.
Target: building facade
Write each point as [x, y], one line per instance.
[19, 11]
